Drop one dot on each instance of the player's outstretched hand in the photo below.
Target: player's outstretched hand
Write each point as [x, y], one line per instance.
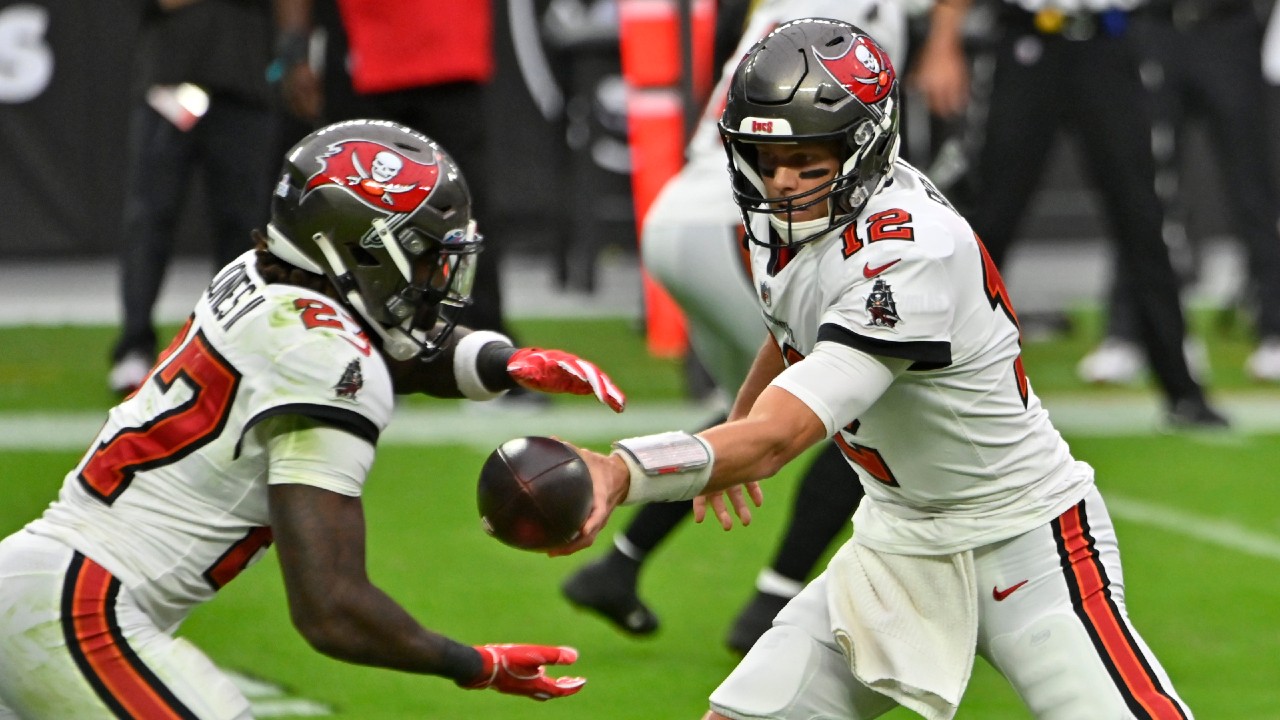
[556, 371]
[518, 670]
[740, 506]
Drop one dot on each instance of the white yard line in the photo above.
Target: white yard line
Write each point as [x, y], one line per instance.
[271, 700]
[482, 425]
[1217, 531]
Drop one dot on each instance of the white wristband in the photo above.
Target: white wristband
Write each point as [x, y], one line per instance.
[464, 364]
[666, 466]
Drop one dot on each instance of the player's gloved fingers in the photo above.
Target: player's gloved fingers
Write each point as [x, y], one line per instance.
[534, 656]
[613, 396]
[561, 686]
[600, 384]
[575, 367]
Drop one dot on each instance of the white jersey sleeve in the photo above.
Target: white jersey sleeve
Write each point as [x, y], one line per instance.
[897, 303]
[302, 452]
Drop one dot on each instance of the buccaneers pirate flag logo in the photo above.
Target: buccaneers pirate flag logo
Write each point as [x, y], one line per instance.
[881, 308]
[863, 69]
[376, 174]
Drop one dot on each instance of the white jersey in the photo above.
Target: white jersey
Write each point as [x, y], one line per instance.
[172, 495]
[958, 452]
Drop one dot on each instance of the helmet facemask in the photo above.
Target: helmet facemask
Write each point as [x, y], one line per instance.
[432, 286]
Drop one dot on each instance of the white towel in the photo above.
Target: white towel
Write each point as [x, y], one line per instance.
[908, 624]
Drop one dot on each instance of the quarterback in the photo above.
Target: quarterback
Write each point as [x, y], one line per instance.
[257, 426]
[691, 243]
[891, 332]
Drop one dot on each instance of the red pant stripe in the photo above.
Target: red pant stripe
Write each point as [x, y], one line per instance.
[1090, 592]
[116, 673]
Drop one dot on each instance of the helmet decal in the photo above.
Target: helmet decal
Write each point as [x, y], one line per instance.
[863, 69]
[376, 174]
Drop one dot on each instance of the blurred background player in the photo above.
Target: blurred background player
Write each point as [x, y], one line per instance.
[1221, 84]
[423, 63]
[1071, 64]
[200, 102]
[692, 243]
[890, 329]
[258, 426]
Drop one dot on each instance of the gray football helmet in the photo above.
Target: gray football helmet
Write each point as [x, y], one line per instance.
[813, 79]
[385, 214]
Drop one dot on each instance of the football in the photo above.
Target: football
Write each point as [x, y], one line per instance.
[534, 493]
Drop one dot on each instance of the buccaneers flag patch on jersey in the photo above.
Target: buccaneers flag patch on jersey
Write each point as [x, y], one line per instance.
[881, 307]
[377, 174]
[351, 382]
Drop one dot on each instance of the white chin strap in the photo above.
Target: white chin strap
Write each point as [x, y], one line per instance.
[396, 342]
[283, 248]
[793, 232]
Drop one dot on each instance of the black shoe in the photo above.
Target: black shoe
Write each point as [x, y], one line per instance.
[1196, 414]
[754, 620]
[607, 587]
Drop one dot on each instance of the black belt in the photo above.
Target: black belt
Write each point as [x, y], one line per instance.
[1069, 25]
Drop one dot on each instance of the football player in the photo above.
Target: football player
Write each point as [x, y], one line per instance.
[891, 332]
[692, 244]
[257, 426]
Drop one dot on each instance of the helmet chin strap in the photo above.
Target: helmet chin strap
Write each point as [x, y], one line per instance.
[792, 232]
[395, 342]
[398, 344]
[283, 248]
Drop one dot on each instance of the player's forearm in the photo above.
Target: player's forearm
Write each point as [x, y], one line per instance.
[367, 627]
[946, 22]
[444, 376]
[766, 366]
[779, 428]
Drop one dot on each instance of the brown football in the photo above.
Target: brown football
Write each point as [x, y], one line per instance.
[534, 493]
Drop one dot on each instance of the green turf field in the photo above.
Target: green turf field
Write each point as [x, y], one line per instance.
[1196, 514]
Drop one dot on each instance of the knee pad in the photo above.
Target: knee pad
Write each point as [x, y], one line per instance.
[1055, 669]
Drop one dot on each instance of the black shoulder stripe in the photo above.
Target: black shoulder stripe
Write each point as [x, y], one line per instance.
[348, 420]
[924, 354]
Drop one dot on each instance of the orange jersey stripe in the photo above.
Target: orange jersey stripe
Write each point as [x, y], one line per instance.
[93, 635]
[1088, 584]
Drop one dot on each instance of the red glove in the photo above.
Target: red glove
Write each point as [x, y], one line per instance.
[517, 670]
[556, 371]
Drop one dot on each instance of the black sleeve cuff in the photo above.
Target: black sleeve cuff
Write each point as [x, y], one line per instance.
[491, 366]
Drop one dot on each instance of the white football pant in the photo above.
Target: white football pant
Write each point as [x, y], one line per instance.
[74, 644]
[1051, 619]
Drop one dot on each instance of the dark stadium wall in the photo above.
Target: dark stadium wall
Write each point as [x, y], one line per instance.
[64, 98]
[65, 70]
